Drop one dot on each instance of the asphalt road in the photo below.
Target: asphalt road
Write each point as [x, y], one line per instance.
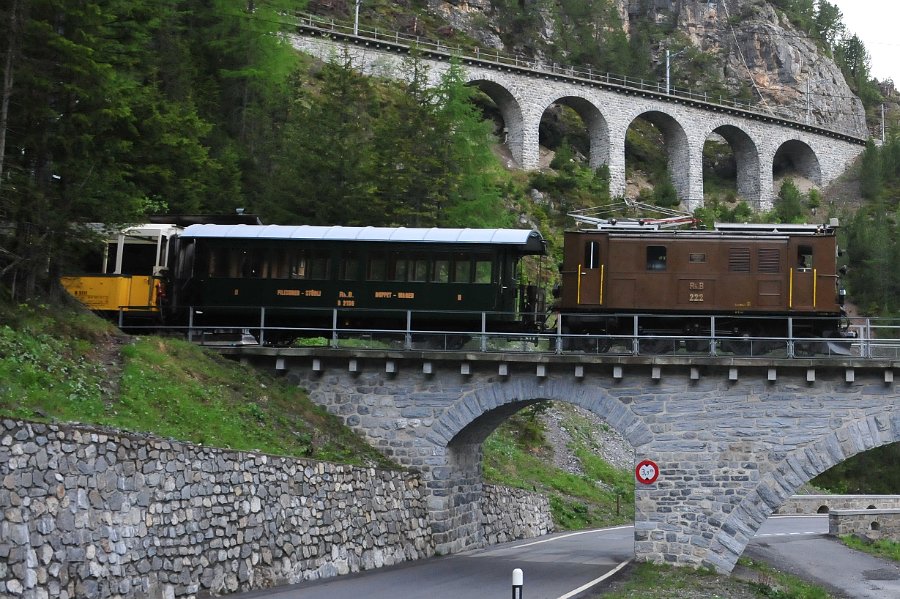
[799, 545]
[558, 566]
[564, 565]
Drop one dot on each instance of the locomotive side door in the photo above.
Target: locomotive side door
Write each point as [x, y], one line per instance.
[802, 290]
[584, 270]
[593, 271]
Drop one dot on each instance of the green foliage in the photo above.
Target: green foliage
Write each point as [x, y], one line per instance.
[871, 472]
[885, 548]
[55, 366]
[516, 454]
[789, 203]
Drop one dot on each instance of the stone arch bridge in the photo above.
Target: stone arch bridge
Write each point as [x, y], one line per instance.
[734, 438]
[522, 94]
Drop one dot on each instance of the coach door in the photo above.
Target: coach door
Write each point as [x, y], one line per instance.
[592, 272]
[802, 285]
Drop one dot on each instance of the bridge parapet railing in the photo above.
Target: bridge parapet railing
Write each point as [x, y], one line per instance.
[500, 332]
[492, 55]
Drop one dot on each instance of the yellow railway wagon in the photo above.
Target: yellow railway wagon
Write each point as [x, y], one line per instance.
[110, 293]
[125, 272]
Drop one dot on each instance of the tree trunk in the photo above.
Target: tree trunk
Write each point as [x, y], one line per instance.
[12, 40]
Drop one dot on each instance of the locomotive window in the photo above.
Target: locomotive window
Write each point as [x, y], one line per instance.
[440, 272]
[656, 257]
[483, 269]
[377, 270]
[739, 260]
[769, 260]
[349, 266]
[462, 269]
[592, 254]
[804, 256]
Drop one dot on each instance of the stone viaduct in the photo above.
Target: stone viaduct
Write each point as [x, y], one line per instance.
[760, 142]
[734, 438]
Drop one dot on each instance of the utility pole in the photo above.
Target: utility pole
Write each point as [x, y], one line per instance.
[807, 100]
[882, 122]
[356, 19]
[667, 70]
[668, 56]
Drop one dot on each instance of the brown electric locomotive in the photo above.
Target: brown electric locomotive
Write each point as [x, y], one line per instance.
[753, 280]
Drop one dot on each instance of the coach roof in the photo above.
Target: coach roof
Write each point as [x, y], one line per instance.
[526, 239]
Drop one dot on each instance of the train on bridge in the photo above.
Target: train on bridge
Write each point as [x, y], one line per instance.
[618, 278]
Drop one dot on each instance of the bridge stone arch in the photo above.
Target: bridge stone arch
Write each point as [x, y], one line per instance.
[468, 421]
[797, 467]
[733, 437]
[510, 110]
[746, 156]
[801, 156]
[595, 122]
[681, 149]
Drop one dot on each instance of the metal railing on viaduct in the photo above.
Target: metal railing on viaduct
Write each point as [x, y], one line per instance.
[720, 441]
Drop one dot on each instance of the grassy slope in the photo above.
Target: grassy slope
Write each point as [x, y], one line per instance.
[518, 455]
[66, 365]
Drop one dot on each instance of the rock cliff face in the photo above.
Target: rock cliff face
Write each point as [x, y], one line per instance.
[754, 46]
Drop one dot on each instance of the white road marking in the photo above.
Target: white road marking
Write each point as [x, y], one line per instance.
[788, 534]
[573, 534]
[585, 587]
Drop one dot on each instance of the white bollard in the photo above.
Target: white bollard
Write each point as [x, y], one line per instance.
[518, 581]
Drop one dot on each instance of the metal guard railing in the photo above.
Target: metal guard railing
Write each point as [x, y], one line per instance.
[867, 338]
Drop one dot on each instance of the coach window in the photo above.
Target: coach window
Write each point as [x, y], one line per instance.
[592, 254]
[804, 257]
[440, 270]
[377, 268]
[418, 269]
[462, 268]
[319, 265]
[399, 268]
[278, 263]
[656, 257]
[349, 266]
[483, 269]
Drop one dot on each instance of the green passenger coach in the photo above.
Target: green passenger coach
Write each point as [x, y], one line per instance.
[305, 275]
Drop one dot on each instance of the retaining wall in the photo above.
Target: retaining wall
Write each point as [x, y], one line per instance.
[512, 514]
[94, 513]
[822, 504]
[872, 524]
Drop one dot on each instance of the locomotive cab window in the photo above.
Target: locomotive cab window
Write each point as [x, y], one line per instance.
[592, 254]
[656, 257]
[804, 257]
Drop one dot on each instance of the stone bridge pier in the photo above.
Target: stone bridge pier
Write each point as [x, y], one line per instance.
[733, 438]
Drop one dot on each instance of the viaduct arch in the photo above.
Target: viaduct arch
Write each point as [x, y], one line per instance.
[734, 438]
[761, 143]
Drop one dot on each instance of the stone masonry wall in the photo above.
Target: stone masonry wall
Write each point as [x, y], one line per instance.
[814, 504]
[513, 514]
[98, 514]
[871, 524]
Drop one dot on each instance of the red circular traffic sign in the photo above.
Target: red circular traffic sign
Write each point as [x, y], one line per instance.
[647, 472]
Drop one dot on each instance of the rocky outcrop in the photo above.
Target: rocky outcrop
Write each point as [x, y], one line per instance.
[753, 43]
